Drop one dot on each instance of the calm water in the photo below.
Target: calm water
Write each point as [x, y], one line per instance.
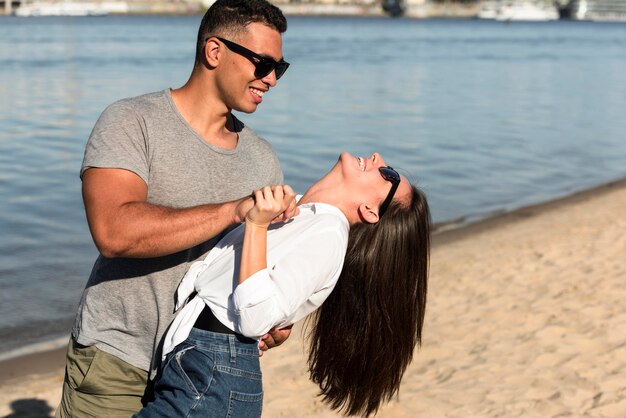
[485, 116]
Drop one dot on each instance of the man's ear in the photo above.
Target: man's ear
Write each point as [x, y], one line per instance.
[212, 52]
[368, 213]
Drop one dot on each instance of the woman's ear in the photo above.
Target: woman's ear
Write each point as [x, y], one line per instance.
[368, 213]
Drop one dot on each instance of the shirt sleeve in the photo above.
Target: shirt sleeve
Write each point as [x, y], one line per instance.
[118, 140]
[293, 287]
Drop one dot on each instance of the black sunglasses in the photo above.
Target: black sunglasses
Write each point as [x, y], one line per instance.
[263, 65]
[393, 177]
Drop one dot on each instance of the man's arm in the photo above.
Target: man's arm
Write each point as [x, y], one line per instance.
[123, 224]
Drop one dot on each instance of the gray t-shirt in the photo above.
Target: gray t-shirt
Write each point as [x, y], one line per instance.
[128, 303]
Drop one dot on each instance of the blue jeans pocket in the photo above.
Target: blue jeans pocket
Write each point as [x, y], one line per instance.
[188, 363]
[239, 386]
[246, 405]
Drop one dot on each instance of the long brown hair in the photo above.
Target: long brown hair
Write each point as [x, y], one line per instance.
[363, 336]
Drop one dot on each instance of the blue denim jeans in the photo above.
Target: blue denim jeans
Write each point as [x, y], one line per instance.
[208, 375]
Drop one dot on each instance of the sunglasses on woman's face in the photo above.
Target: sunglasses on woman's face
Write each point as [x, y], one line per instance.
[263, 65]
[393, 177]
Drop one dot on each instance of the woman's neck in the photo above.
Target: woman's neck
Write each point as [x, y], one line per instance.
[323, 192]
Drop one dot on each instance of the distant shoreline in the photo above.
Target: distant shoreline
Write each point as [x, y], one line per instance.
[450, 10]
[488, 220]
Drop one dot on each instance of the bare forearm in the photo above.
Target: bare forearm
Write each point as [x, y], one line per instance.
[254, 250]
[269, 203]
[124, 224]
[141, 230]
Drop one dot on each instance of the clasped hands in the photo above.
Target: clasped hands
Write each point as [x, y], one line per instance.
[268, 205]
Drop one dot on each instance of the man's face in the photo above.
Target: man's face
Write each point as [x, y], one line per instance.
[240, 89]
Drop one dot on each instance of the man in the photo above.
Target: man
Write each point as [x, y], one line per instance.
[155, 172]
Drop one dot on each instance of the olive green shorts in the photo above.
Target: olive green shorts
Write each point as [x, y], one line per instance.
[98, 384]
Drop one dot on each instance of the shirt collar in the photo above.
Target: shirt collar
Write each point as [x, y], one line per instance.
[319, 208]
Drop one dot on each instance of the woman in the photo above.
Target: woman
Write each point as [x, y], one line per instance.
[360, 246]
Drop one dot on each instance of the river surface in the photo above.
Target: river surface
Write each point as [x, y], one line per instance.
[485, 116]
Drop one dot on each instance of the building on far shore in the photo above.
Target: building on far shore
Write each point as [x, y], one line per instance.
[91, 7]
[597, 10]
[412, 8]
[569, 9]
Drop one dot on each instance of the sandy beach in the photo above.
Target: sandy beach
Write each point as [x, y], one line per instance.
[525, 318]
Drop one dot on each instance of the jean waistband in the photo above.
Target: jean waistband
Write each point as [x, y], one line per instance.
[223, 342]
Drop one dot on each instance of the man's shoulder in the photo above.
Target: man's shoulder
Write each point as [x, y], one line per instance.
[143, 102]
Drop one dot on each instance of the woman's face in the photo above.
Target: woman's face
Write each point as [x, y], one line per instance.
[364, 183]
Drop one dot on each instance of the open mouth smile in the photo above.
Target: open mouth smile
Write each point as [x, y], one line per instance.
[361, 163]
[258, 92]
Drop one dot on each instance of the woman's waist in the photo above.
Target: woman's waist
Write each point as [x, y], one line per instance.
[208, 321]
[220, 342]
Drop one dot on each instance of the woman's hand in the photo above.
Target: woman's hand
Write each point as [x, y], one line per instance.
[274, 338]
[270, 202]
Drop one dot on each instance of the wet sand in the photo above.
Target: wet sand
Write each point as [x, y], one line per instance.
[525, 318]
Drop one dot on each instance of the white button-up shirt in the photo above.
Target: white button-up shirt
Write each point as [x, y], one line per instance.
[304, 259]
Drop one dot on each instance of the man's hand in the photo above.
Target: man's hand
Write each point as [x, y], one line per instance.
[242, 209]
[274, 338]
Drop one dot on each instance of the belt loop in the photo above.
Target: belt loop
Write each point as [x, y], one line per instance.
[231, 344]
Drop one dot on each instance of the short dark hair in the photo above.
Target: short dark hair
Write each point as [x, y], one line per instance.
[363, 336]
[228, 18]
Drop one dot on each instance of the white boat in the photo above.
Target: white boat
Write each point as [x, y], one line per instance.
[527, 11]
[517, 11]
[60, 9]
